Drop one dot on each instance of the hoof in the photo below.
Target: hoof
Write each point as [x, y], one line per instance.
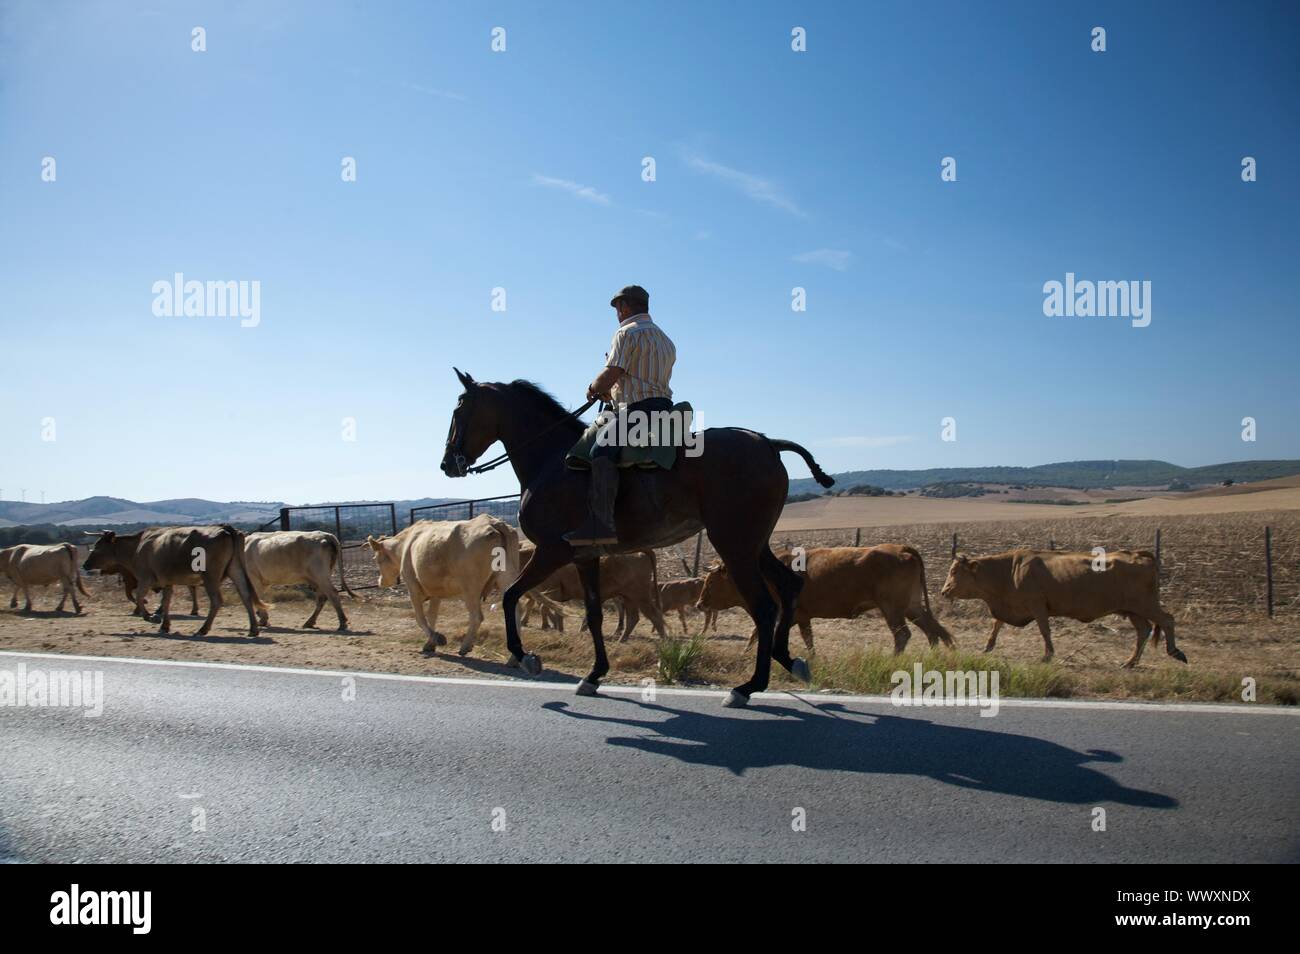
[532, 665]
[442, 640]
[304, 625]
[1178, 654]
[429, 651]
[586, 688]
[463, 651]
[735, 700]
[799, 669]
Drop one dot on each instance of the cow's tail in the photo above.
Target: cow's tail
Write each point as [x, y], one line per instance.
[929, 623]
[238, 537]
[819, 475]
[76, 568]
[336, 559]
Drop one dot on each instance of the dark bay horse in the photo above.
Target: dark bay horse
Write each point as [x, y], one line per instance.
[734, 490]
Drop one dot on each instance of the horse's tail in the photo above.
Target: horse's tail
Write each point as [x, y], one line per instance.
[819, 475]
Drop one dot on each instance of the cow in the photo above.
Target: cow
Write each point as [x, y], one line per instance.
[845, 582]
[179, 556]
[29, 565]
[439, 560]
[285, 557]
[129, 583]
[631, 579]
[1024, 586]
[679, 594]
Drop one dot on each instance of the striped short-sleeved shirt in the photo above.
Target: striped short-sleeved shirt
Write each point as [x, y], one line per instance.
[646, 356]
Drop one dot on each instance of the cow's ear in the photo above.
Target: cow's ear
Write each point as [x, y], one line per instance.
[466, 380]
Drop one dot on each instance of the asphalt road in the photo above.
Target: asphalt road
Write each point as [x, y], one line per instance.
[278, 766]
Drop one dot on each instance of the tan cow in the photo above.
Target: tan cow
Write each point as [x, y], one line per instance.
[29, 564]
[439, 560]
[286, 557]
[179, 556]
[679, 594]
[631, 579]
[1024, 586]
[845, 582]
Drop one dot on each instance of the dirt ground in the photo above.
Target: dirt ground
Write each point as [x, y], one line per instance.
[383, 637]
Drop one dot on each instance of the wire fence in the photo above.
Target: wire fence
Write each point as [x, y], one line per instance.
[505, 508]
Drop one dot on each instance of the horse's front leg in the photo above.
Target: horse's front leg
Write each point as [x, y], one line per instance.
[589, 573]
[545, 560]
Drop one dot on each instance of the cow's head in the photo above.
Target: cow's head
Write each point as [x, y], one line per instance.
[473, 427]
[103, 553]
[962, 582]
[387, 559]
[718, 591]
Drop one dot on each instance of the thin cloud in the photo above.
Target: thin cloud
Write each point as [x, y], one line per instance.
[756, 187]
[867, 441]
[573, 188]
[835, 258]
[432, 91]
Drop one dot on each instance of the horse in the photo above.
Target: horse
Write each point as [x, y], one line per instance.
[734, 489]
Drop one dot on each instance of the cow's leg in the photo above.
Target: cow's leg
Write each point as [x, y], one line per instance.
[589, 574]
[1045, 628]
[787, 584]
[427, 625]
[474, 609]
[628, 617]
[212, 587]
[310, 622]
[337, 604]
[1166, 622]
[245, 590]
[681, 615]
[27, 598]
[142, 590]
[1143, 627]
[194, 601]
[13, 600]
[63, 597]
[993, 636]
[897, 624]
[805, 630]
[655, 615]
[165, 610]
[70, 584]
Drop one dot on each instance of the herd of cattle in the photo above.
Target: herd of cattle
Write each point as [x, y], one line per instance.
[471, 560]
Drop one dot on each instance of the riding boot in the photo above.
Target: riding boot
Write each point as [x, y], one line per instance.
[598, 528]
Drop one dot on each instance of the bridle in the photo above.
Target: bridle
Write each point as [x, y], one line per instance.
[458, 446]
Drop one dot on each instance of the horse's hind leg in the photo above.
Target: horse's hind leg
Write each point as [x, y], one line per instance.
[589, 573]
[749, 582]
[787, 584]
[546, 559]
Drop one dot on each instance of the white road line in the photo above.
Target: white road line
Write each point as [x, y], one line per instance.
[1245, 708]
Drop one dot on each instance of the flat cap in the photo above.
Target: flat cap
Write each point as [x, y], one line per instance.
[633, 293]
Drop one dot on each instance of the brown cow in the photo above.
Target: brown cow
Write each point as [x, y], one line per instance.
[845, 582]
[679, 594]
[29, 564]
[129, 583]
[184, 556]
[1024, 586]
[631, 579]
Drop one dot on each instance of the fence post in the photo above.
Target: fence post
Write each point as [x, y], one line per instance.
[1268, 567]
[471, 510]
[857, 537]
[1051, 544]
[1157, 553]
[284, 518]
[392, 517]
[699, 542]
[954, 544]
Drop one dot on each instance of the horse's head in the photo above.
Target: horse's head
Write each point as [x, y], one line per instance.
[473, 427]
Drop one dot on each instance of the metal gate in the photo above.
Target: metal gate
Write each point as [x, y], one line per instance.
[505, 508]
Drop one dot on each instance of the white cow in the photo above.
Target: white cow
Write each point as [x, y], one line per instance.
[449, 560]
[29, 565]
[286, 557]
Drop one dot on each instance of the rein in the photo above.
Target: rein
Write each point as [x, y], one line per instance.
[503, 458]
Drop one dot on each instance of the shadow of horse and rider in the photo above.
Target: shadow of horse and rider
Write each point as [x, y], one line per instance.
[831, 737]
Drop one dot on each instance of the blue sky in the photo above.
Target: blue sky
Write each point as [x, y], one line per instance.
[522, 170]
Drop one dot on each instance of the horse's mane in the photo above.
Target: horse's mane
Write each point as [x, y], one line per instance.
[550, 407]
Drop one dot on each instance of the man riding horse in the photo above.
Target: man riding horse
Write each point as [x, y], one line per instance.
[727, 481]
[634, 381]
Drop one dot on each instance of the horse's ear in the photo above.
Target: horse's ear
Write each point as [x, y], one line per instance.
[466, 380]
